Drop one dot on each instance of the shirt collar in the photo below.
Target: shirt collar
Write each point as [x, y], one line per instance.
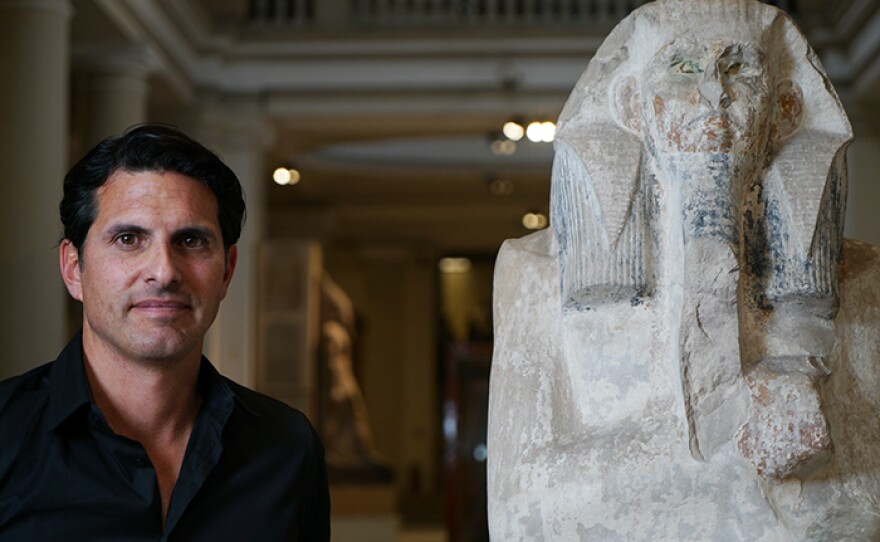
[69, 387]
[218, 392]
[216, 388]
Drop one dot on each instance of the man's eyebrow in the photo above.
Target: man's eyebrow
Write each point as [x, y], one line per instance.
[117, 229]
[197, 231]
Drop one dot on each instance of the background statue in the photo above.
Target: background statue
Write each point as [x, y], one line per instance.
[345, 425]
[676, 357]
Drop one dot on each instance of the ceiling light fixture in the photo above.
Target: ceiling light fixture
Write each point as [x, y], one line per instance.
[502, 147]
[541, 131]
[513, 130]
[454, 265]
[281, 176]
[286, 176]
[534, 221]
[501, 187]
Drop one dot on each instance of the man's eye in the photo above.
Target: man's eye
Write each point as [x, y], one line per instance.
[191, 241]
[127, 239]
[687, 66]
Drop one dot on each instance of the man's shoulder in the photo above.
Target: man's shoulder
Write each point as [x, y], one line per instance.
[23, 405]
[265, 410]
[25, 388]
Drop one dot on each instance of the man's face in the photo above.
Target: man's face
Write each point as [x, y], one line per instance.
[152, 271]
[707, 96]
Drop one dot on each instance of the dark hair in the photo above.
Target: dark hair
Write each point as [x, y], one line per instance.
[149, 147]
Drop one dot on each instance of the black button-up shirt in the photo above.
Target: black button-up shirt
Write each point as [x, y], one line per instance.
[253, 467]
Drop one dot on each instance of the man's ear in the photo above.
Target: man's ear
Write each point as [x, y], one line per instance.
[231, 260]
[71, 270]
[624, 103]
[789, 108]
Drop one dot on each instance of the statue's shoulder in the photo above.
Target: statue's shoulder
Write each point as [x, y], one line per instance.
[526, 265]
[535, 249]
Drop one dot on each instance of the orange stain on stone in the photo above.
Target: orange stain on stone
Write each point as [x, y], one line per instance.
[790, 108]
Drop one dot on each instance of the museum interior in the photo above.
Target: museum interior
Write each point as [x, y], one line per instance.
[387, 149]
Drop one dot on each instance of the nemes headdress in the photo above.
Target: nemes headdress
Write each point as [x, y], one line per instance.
[601, 204]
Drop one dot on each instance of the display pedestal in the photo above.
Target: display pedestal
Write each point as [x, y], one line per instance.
[363, 513]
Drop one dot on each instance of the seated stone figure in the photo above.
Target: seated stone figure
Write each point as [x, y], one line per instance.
[690, 351]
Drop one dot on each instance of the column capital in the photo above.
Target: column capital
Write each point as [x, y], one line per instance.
[60, 7]
[236, 127]
[115, 58]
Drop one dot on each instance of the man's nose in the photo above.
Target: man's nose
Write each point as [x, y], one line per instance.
[162, 268]
[711, 88]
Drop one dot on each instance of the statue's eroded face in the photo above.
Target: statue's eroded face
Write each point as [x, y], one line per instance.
[707, 96]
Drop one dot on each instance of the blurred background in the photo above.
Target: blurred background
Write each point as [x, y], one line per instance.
[387, 148]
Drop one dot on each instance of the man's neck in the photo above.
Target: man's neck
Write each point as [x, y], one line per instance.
[154, 402]
[146, 400]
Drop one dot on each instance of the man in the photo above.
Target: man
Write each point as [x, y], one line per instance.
[131, 434]
[670, 362]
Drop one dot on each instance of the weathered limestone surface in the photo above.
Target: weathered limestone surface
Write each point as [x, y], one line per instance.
[691, 351]
[588, 438]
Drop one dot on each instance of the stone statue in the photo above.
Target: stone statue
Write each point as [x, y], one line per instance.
[351, 455]
[690, 351]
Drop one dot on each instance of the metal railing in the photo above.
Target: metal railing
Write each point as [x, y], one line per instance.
[491, 11]
[383, 13]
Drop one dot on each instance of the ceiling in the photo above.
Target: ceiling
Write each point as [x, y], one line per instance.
[389, 114]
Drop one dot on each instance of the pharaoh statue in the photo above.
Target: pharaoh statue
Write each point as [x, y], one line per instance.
[690, 351]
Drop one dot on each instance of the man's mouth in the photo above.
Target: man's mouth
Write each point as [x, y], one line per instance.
[160, 306]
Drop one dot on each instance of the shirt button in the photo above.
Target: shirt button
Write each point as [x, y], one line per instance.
[141, 462]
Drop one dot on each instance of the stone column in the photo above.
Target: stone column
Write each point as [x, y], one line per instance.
[241, 138]
[34, 42]
[114, 89]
